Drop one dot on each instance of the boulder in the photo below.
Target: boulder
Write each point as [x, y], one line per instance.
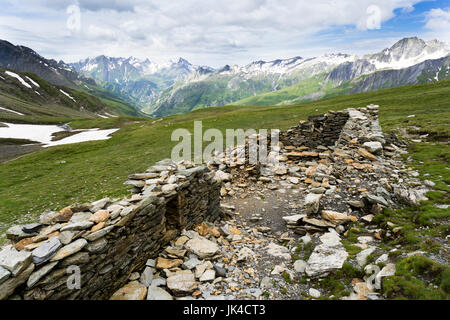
[202, 247]
[146, 276]
[157, 293]
[278, 251]
[337, 218]
[131, 291]
[182, 282]
[328, 256]
[373, 146]
[163, 263]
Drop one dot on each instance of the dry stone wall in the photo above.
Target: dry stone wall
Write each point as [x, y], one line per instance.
[106, 239]
[319, 130]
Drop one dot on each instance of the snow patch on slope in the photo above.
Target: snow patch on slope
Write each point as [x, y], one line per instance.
[12, 111]
[15, 75]
[68, 95]
[43, 134]
[33, 82]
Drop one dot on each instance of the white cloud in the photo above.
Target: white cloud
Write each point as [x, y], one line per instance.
[206, 32]
[438, 19]
[99, 33]
[438, 22]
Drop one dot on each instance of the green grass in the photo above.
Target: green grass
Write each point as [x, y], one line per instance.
[96, 169]
[11, 141]
[418, 278]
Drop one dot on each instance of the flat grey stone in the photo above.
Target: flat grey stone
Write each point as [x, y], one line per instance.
[82, 225]
[157, 282]
[157, 293]
[66, 237]
[255, 292]
[7, 288]
[16, 233]
[13, 260]
[46, 250]
[99, 204]
[76, 259]
[4, 274]
[98, 234]
[151, 263]
[32, 227]
[80, 216]
[191, 263]
[37, 275]
[97, 245]
[208, 275]
[147, 276]
[377, 199]
[70, 249]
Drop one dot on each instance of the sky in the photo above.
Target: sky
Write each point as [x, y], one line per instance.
[218, 32]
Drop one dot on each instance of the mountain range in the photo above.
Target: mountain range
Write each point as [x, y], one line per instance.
[178, 86]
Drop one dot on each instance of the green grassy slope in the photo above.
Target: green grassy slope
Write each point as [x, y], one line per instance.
[110, 99]
[97, 169]
[309, 89]
[45, 103]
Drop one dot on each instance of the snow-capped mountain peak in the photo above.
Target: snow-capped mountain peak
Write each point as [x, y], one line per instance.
[408, 52]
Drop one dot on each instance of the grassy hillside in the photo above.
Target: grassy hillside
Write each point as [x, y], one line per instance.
[309, 89]
[110, 99]
[58, 176]
[44, 102]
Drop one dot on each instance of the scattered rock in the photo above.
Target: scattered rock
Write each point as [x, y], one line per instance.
[131, 291]
[157, 293]
[312, 203]
[314, 293]
[202, 247]
[182, 282]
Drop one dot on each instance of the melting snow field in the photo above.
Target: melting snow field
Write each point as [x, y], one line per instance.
[43, 134]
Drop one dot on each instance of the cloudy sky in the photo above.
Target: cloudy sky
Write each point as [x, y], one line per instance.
[218, 32]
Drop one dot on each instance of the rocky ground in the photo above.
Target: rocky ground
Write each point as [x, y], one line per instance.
[305, 228]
